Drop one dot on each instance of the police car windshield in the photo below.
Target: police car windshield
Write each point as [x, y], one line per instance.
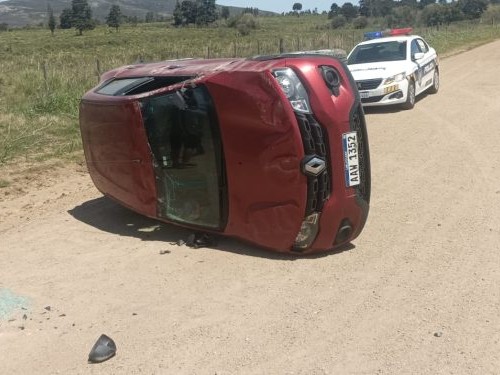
[378, 52]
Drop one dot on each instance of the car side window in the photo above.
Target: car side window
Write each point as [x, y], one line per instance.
[415, 48]
[422, 45]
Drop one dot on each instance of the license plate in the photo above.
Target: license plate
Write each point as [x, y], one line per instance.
[351, 159]
[364, 94]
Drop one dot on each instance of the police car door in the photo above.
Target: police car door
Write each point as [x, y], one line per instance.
[425, 65]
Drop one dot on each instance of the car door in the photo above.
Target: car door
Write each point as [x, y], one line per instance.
[425, 64]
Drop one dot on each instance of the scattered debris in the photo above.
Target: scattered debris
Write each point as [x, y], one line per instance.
[163, 252]
[438, 334]
[103, 349]
[48, 308]
[197, 240]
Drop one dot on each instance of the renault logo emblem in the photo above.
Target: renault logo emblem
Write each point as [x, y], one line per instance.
[314, 166]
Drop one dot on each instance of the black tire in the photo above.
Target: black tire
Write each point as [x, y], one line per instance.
[435, 83]
[410, 96]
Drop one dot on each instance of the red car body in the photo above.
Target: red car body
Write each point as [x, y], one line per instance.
[249, 148]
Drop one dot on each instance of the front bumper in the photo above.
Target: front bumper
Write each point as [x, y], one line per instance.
[394, 93]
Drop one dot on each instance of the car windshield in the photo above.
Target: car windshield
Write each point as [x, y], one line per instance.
[184, 138]
[378, 52]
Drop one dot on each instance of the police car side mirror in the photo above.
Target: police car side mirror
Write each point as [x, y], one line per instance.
[418, 55]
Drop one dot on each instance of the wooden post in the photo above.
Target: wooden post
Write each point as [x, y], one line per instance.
[258, 47]
[45, 78]
[281, 49]
[234, 49]
[98, 69]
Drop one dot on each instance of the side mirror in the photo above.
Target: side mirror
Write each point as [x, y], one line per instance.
[418, 55]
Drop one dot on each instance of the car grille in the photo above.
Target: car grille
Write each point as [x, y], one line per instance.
[368, 84]
[315, 145]
[358, 124]
[372, 99]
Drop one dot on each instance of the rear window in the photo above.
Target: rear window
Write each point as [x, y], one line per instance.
[138, 85]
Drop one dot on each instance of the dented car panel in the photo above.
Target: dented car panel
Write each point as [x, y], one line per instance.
[249, 148]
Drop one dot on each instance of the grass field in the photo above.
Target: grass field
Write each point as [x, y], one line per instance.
[43, 76]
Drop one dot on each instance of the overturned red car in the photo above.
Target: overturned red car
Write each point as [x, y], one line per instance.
[272, 150]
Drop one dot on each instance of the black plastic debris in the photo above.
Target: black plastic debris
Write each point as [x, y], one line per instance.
[197, 240]
[103, 349]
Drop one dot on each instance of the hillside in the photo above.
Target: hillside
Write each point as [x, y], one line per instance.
[29, 12]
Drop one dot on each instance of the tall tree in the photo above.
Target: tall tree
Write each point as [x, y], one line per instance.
[52, 19]
[349, 11]
[473, 8]
[82, 16]
[334, 11]
[423, 3]
[114, 17]
[188, 11]
[224, 13]
[178, 14]
[206, 12]
[66, 19]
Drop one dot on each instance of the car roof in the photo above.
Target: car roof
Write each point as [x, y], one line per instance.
[398, 38]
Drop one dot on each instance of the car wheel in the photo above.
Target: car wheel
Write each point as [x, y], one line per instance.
[410, 96]
[435, 83]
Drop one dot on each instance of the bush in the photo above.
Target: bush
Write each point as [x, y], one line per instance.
[244, 23]
[492, 15]
[338, 22]
[360, 22]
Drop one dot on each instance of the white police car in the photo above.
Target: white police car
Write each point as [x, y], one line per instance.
[393, 69]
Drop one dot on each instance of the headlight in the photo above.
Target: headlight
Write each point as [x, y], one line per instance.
[396, 78]
[308, 232]
[294, 89]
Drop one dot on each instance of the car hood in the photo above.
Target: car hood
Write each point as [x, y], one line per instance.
[376, 70]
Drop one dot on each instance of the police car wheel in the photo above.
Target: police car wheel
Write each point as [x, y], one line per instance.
[435, 83]
[410, 96]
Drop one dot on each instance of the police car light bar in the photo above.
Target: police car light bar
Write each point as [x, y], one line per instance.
[392, 32]
[403, 31]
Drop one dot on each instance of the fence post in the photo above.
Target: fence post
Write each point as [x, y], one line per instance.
[258, 47]
[208, 51]
[98, 69]
[44, 69]
[281, 45]
[234, 49]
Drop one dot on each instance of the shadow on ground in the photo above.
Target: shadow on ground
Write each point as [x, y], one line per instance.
[108, 216]
[392, 108]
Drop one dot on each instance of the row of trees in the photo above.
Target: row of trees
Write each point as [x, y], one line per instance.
[79, 16]
[199, 12]
[204, 12]
[404, 12]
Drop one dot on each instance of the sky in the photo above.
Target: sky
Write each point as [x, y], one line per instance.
[280, 6]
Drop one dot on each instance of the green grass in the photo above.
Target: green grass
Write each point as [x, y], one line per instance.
[43, 76]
